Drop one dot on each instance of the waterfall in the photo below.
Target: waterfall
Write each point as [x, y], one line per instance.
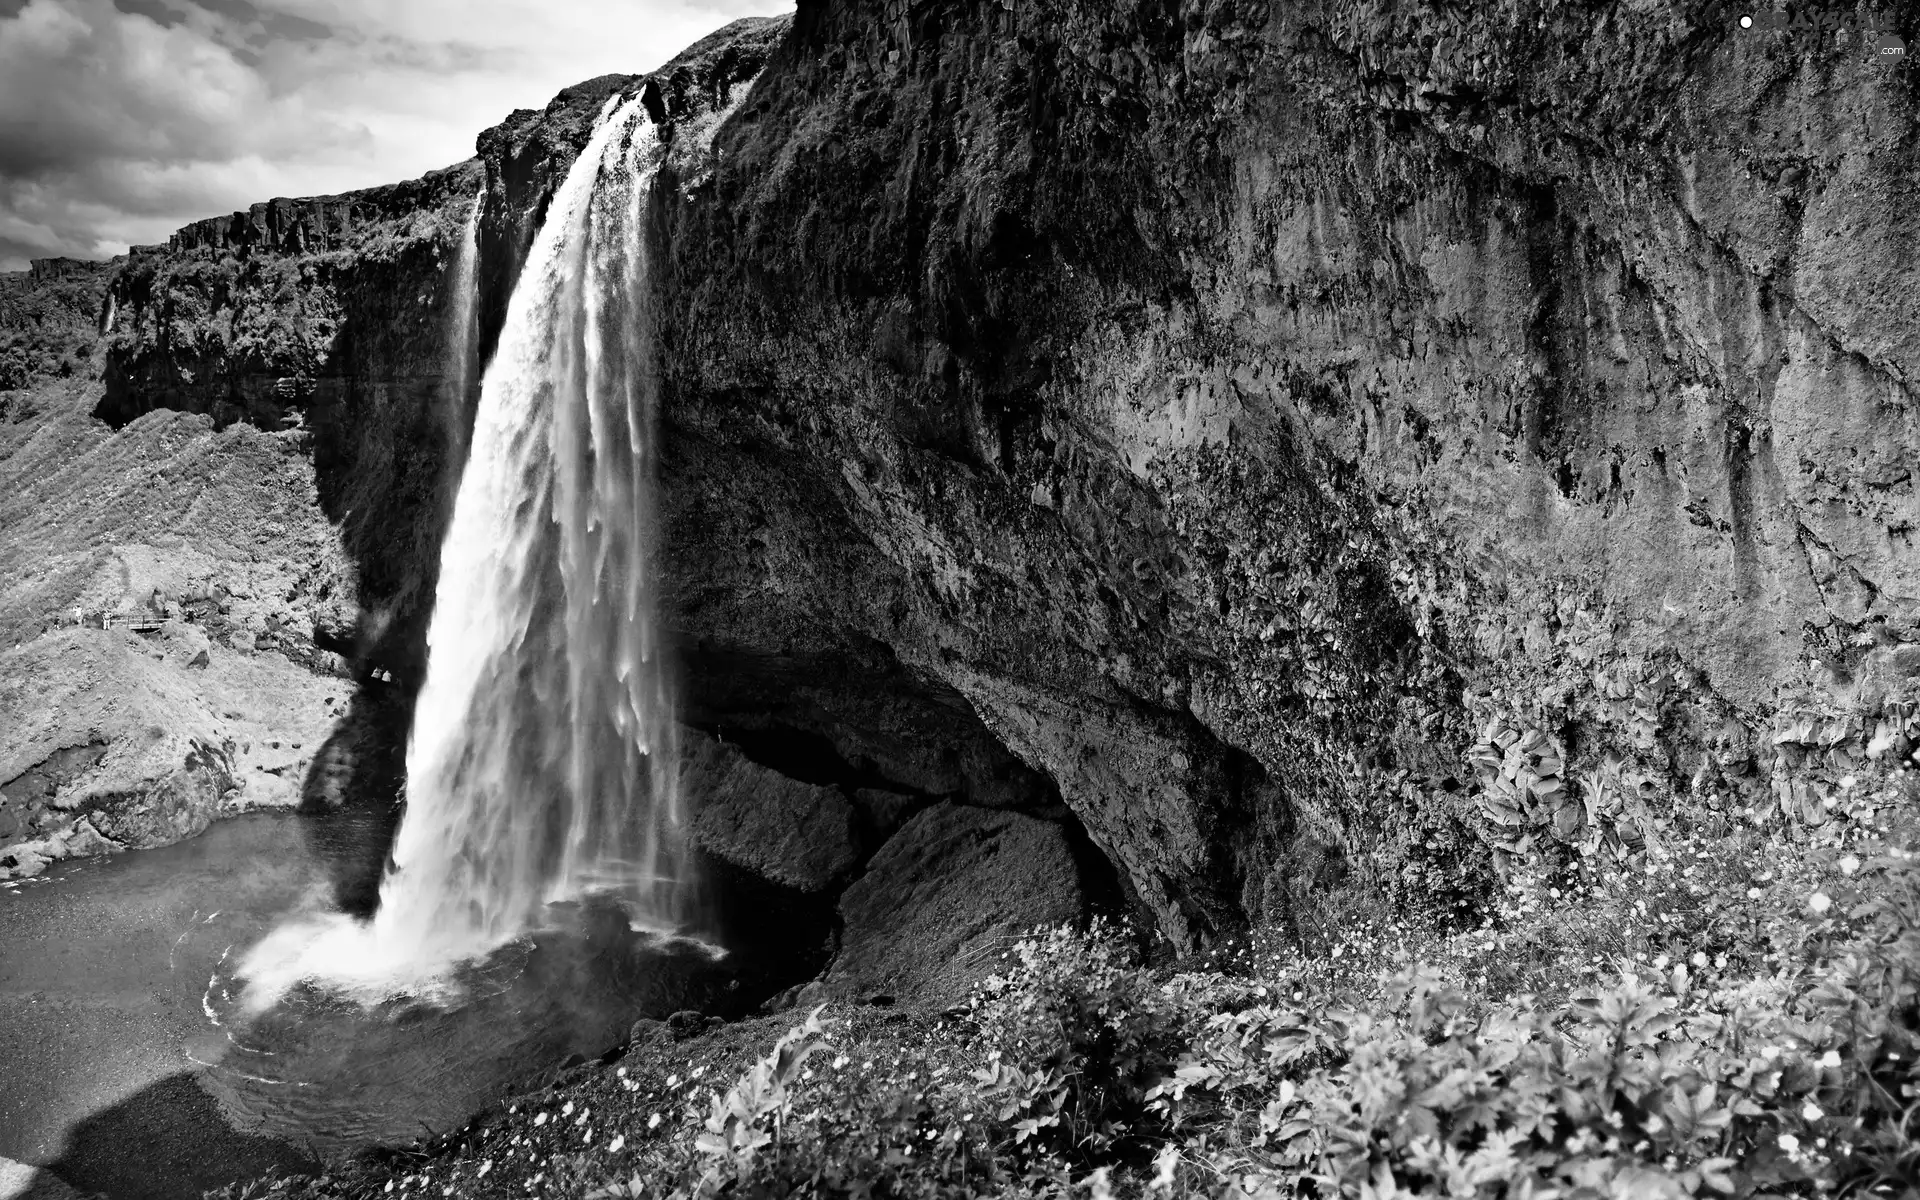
[540, 766]
[463, 339]
[542, 762]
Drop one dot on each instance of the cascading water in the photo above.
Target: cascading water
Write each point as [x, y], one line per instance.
[463, 341]
[542, 765]
[541, 761]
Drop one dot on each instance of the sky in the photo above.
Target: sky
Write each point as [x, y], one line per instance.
[121, 120]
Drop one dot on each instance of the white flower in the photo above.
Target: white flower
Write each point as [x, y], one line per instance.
[1699, 959]
[1753, 893]
[1819, 903]
[566, 1110]
[1770, 1053]
[1164, 1164]
[1811, 1112]
[1790, 1143]
[1849, 865]
[1830, 1059]
[540, 1120]
[614, 1146]
[653, 1122]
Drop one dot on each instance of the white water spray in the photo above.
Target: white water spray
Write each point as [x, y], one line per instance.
[542, 764]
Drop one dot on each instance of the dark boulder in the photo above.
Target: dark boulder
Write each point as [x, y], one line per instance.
[800, 835]
[945, 898]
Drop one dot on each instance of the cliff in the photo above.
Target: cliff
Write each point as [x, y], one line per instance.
[1252, 410]
[332, 314]
[48, 321]
[1333, 450]
[160, 586]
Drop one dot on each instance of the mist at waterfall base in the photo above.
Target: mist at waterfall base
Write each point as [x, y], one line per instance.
[539, 882]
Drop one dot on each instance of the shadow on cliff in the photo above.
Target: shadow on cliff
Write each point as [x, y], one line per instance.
[351, 798]
[168, 1142]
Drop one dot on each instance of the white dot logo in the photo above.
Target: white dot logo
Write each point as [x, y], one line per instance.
[1746, 22]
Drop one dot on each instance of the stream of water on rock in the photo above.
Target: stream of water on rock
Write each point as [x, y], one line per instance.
[542, 765]
[463, 342]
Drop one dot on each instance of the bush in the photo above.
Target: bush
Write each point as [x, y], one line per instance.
[1657, 1083]
[1802, 1083]
[1077, 1036]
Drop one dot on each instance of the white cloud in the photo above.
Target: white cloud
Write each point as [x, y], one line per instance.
[119, 122]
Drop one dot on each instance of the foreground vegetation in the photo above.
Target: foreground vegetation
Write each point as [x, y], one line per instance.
[1736, 1013]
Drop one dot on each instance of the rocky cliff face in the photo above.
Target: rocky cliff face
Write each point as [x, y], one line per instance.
[332, 316]
[49, 317]
[159, 586]
[1316, 450]
[1241, 406]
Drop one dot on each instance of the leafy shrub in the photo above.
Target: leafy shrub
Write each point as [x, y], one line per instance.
[1647, 1087]
[796, 1121]
[753, 1114]
[1099, 1073]
[1077, 1037]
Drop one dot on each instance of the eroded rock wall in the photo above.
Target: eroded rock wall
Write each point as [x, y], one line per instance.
[333, 318]
[160, 588]
[1240, 405]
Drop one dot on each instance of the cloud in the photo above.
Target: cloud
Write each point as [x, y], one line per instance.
[121, 120]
